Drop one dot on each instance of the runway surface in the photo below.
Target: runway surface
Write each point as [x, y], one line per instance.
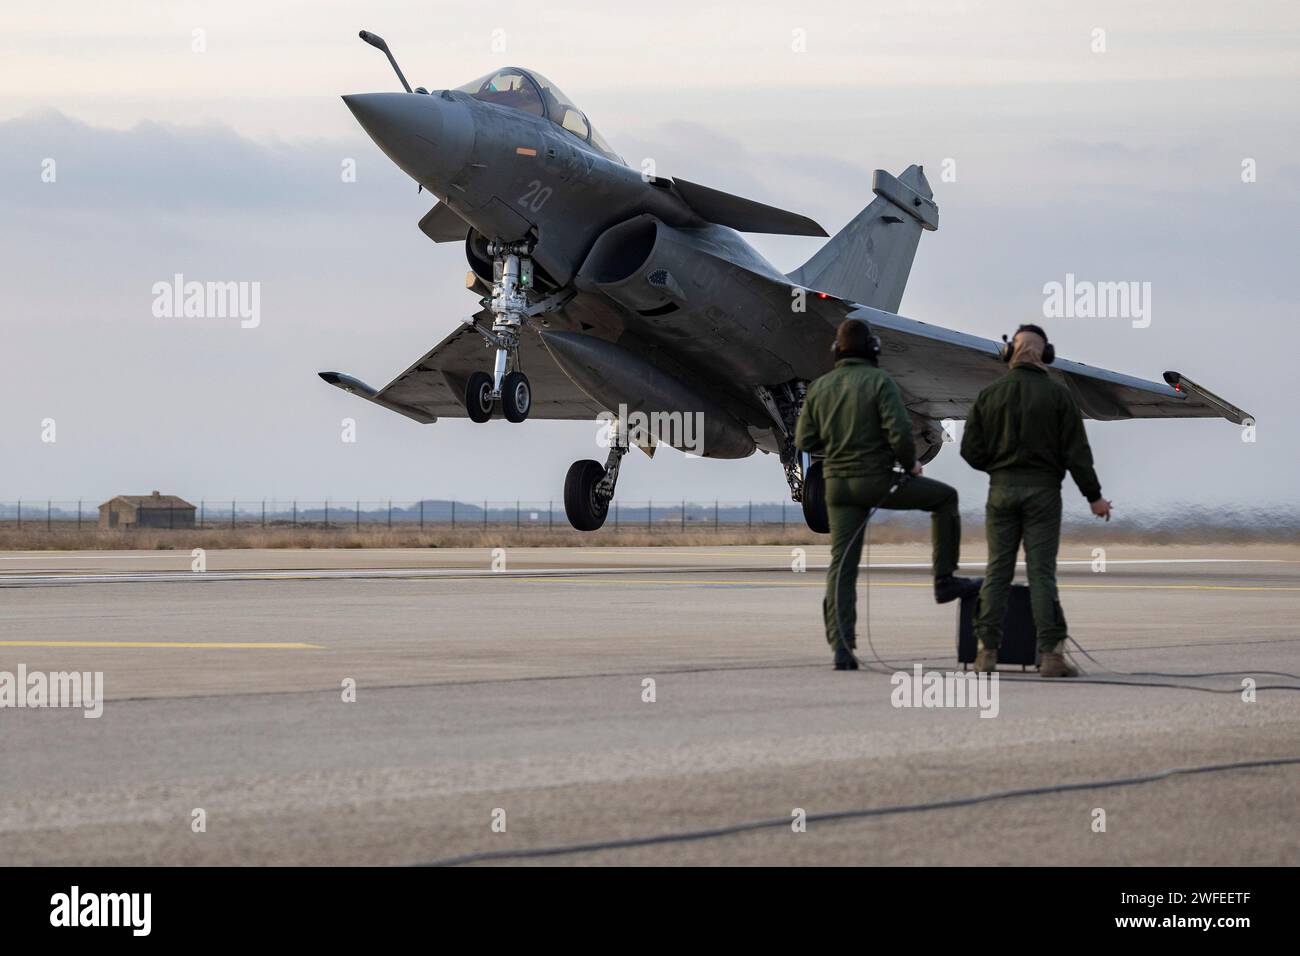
[513, 686]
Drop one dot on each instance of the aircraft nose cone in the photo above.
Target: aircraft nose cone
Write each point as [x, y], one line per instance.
[393, 117]
[428, 137]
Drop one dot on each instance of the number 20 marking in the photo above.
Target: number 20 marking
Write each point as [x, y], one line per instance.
[536, 196]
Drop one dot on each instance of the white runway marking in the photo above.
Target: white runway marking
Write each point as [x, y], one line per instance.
[314, 574]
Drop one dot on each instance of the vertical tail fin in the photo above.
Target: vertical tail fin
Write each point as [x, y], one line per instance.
[868, 261]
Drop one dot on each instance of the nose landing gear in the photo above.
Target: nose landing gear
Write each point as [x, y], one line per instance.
[513, 270]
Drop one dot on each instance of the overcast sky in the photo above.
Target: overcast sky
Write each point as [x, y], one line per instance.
[224, 164]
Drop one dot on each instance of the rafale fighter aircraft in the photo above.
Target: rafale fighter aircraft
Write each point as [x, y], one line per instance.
[606, 291]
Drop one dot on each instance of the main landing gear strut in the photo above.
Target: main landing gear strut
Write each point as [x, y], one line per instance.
[807, 486]
[589, 488]
[802, 474]
[513, 269]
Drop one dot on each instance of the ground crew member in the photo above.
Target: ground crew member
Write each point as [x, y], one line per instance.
[1026, 431]
[853, 417]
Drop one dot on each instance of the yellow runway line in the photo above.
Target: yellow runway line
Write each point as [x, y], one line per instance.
[195, 645]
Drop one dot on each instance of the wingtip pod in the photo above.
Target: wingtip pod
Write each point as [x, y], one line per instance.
[1185, 386]
[354, 386]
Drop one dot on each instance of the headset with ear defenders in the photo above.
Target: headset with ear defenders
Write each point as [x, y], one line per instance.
[873, 342]
[1008, 345]
[873, 345]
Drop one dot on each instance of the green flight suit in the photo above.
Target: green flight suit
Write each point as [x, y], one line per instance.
[854, 418]
[1026, 431]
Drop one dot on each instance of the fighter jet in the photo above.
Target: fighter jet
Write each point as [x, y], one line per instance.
[608, 292]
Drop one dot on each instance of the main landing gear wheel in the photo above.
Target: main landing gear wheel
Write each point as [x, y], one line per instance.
[814, 499]
[516, 397]
[478, 397]
[586, 509]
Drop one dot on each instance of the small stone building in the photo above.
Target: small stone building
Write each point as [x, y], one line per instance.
[146, 511]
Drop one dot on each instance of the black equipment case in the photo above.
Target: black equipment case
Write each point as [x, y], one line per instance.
[1019, 636]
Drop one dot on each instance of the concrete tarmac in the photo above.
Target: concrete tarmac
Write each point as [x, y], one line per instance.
[520, 695]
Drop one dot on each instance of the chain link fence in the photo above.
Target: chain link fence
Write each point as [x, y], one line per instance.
[37, 516]
[359, 514]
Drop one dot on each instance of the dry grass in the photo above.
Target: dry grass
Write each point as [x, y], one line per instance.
[892, 530]
[38, 539]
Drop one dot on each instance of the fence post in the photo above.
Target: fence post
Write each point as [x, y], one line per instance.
[550, 515]
[516, 514]
[421, 514]
[616, 516]
[715, 514]
[203, 512]
[295, 512]
[263, 512]
[750, 524]
[78, 514]
[327, 514]
[48, 512]
[20, 514]
[232, 514]
[390, 514]
[485, 515]
[453, 514]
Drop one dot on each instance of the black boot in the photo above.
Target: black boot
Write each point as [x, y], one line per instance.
[950, 588]
[844, 659]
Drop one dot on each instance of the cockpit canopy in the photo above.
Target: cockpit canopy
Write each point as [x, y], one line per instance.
[533, 93]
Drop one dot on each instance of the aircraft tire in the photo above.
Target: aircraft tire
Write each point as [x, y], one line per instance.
[516, 397]
[584, 511]
[814, 500]
[478, 397]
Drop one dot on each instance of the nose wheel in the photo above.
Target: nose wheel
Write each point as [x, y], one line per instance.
[516, 397]
[478, 397]
[481, 400]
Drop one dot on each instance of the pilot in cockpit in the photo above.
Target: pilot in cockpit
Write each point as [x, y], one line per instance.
[533, 93]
